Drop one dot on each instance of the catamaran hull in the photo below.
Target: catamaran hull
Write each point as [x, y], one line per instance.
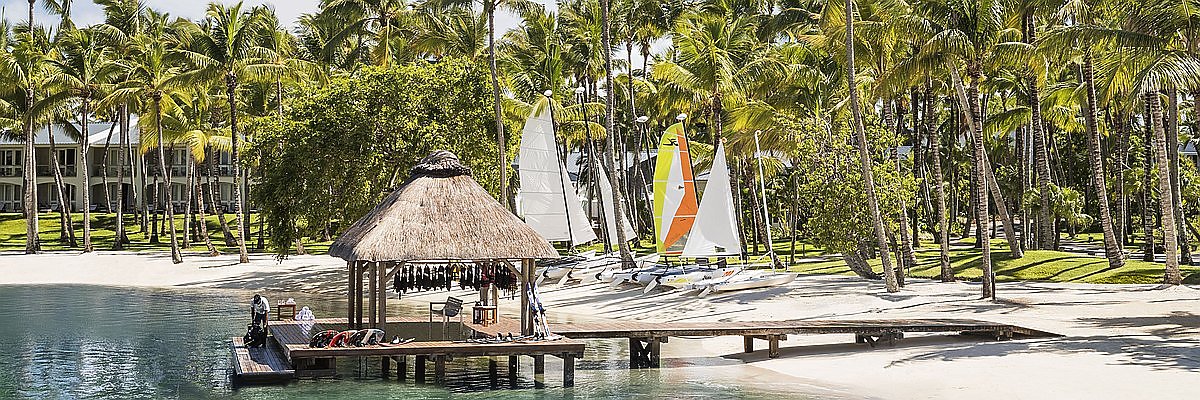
[755, 282]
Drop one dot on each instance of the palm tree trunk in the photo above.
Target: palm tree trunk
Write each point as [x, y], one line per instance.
[1172, 129]
[907, 257]
[87, 185]
[1147, 191]
[981, 172]
[214, 188]
[155, 193]
[1172, 275]
[1041, 161]
[202, 225]
[617, 171]
[1122, 221]
[231, 85]
[176, 257]
[187, 195]
[120, 237]
[107, 199]
[67, 226]
[502, 148]
[1112, 249]
[865, 156]
[939, 184]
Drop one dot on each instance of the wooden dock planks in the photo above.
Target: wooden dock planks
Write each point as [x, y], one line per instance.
[636, 329]
[259, 364]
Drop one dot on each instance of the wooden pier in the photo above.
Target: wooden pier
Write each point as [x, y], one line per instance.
[290, 339]
[646, 338]
[258, 365]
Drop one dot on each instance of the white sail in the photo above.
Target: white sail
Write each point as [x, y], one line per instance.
[610, 220]
[715, 231]
[545, 183]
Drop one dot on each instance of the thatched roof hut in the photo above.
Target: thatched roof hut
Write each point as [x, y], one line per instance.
[441, 213]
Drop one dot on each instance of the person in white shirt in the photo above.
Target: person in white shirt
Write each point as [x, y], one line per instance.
[259, 307]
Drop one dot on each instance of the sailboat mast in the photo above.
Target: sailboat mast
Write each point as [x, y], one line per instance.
[560, 162]
[763, 184]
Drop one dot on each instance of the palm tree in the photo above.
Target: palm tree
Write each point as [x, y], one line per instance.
[154, 75]
[457, 33]
[610, 159]
[83, 72]
[229, 50]
[489, 9]
[382, 19]
[864, 154]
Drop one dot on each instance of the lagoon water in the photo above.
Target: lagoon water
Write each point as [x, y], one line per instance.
[108, 342]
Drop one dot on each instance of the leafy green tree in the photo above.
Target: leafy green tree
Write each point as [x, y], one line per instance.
[343, 146]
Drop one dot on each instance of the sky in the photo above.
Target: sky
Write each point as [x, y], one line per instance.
[84, 12]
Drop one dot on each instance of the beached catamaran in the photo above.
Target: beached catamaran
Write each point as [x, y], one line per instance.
[549, 202]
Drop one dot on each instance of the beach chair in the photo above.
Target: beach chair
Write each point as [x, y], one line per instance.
[451, 308]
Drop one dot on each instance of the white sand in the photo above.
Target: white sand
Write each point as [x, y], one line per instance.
[1121, 341]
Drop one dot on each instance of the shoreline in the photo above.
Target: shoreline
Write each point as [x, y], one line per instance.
[1119, 339]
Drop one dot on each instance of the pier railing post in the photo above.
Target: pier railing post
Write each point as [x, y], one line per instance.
[402, 367]
[350, 274]
[493, 379]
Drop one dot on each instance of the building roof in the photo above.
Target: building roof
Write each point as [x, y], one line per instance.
[97, 134]
[441, 213]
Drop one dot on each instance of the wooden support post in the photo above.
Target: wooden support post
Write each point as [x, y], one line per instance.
[372, 291]
[386, 368]
[539, 371]
[527, 272]
[402, 368]
[382, 299]
[439, 368]
[357, 322]
[512, 370]
[654, 349]
[773, 346]
[568, 370]
[350, 271]
[493, 367]
[419, 370]
[748, 344]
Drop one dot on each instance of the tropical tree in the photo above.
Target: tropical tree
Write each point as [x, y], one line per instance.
[83, 71]
[228, 50]
[155, 74]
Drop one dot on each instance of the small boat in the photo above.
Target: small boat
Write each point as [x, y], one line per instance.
[758, 281]
[676, 281]
[611, 274]
[560, 267]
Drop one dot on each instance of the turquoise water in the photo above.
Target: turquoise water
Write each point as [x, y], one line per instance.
[103, 342]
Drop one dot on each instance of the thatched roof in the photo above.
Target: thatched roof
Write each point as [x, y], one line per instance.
[441, 213]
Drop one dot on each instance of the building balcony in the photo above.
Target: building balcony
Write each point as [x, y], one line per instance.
[46, 171]
[113, 170]
[10, 171]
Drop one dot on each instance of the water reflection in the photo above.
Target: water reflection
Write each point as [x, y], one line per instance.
[102, 342]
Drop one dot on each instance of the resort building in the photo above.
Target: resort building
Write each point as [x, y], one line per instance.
[105, 166]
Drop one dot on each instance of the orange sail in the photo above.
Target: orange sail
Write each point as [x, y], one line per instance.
[674, 191]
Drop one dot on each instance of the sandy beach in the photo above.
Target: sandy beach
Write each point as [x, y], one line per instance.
[1120, 341]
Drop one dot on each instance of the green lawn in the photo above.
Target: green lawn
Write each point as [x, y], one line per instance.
[12, 234]
[1037, 265]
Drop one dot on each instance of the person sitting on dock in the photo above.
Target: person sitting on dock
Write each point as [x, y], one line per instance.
[259, 307]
